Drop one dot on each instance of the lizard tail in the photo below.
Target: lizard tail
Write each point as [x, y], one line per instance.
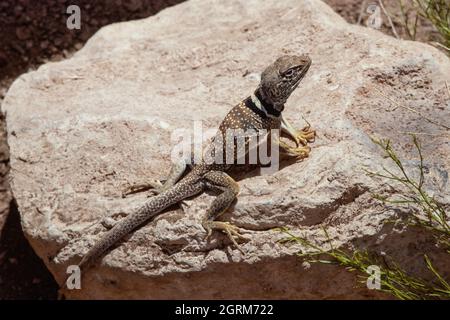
[147, 211]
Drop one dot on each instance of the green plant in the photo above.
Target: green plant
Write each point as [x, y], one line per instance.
[393, 279]
[437, 12]
[425, 212]
[410, 28]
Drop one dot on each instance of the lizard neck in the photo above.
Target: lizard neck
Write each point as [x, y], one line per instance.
[259, 101]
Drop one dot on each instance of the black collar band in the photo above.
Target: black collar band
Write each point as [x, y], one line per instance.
[268, 108]
[252, 106]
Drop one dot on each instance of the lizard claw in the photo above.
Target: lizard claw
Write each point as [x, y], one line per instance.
[298, 152]
[232, 232]
[306, 135]
[301, 137]
[208, 233]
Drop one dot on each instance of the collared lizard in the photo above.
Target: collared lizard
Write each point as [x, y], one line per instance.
[261, 112]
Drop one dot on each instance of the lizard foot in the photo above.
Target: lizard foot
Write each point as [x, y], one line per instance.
[301, 137]
[298, 152]
[229, 229]
[155, 185]
[306, 135]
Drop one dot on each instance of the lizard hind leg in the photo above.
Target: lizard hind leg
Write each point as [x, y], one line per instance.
[154, 185]
[230, 189]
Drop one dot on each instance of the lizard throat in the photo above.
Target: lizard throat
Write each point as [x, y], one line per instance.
[257, 104]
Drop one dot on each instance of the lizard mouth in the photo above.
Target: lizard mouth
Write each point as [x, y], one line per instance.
[301, 75]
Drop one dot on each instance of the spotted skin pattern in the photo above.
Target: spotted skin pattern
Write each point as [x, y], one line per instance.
[278, 81]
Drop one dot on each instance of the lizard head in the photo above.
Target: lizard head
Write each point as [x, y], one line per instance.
[281, 78]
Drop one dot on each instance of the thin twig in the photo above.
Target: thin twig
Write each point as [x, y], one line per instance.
[440, 45]
[416, 20]
[448, 89]
[405, 19]
[419, 151]
[361, 12]
[424, 133]
[389, 19]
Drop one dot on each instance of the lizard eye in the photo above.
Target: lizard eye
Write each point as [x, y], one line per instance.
[289, 73]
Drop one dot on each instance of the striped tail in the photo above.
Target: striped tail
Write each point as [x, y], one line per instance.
[150, 209]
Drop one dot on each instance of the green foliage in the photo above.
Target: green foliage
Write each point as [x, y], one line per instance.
[437, 12]
[425, 212]
[393, 279]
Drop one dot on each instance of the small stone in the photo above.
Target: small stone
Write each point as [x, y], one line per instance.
[23, 33]
[44, 44]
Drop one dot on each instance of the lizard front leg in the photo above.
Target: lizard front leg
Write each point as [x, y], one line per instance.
[301, 138]
[219, 180]
[176, 172]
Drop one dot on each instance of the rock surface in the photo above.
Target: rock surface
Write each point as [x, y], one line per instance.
[81, 130]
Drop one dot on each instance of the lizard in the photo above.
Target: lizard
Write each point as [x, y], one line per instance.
[262, 110]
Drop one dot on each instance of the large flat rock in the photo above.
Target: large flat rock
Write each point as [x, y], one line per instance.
[81, 130]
